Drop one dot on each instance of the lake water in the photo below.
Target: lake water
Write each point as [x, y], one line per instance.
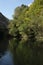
[7, 59]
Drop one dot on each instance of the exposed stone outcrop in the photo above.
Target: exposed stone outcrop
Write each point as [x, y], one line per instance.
[3, 21]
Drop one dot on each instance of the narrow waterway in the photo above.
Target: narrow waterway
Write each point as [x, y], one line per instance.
[7, 59]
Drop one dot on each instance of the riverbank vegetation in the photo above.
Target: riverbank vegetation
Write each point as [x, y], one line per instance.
[27, 26]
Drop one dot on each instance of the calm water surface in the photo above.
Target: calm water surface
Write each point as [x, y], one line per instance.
[7, 59]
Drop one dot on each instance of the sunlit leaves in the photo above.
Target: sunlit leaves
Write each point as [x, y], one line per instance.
[28, 22]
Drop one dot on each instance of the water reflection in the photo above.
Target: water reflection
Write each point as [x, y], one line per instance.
[6, 59]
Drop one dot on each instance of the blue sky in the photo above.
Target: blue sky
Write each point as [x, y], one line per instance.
[7, 7]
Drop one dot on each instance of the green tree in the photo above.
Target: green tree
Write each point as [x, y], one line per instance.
[27, 26]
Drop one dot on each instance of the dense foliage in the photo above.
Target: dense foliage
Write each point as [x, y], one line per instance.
[27, 26]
